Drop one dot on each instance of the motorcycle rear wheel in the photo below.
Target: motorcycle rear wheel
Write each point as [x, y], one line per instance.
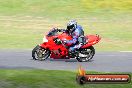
[90, 51]
[39, 53]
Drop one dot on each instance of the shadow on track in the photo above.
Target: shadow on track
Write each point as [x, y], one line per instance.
[64, 60]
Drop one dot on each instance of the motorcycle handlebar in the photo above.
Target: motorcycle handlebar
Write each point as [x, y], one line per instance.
[54, 31]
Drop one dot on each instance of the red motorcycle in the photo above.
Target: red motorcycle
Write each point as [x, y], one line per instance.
[54, 47]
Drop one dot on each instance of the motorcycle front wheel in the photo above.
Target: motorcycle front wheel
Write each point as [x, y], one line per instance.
[39, 53]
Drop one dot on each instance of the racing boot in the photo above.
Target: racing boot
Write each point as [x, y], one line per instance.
[72, 54]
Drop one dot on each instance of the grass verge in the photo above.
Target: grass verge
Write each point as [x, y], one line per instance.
[10, 78]
[27, 32]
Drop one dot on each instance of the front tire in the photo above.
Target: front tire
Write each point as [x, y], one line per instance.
[89, 53]
[39, 53]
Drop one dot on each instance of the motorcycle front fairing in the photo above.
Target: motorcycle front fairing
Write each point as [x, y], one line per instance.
[48, 40]
[57, 51]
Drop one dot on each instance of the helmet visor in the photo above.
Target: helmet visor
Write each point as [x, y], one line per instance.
[70, 27]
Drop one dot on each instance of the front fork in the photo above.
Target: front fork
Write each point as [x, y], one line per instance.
[40, 51]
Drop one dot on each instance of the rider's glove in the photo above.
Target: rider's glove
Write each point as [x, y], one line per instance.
[55, 29]
[58, 30]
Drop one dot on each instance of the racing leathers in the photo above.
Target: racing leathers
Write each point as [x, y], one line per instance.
[75, 43]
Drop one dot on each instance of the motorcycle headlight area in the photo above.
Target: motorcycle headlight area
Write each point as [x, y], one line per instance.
[44, 39]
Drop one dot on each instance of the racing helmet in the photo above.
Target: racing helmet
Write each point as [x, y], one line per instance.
[71, 25]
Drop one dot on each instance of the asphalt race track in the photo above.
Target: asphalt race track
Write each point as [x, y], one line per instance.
[102, 61]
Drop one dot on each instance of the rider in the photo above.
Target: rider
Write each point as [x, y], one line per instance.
[76, 32]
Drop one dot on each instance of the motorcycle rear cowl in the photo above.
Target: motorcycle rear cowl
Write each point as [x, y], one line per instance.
[91, 40]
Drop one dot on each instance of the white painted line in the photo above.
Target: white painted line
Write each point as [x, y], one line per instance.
[125, 51]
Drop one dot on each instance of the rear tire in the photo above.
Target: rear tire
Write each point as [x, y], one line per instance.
[39, 53]
[89, 54]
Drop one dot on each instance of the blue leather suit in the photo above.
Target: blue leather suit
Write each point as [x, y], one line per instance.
[75, 35]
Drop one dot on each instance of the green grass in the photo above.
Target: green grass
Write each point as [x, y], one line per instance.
[46, 79]
[26, 32]
[24, 22]
[57, 8]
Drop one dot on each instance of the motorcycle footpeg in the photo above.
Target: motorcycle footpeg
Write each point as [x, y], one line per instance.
[72, 54]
